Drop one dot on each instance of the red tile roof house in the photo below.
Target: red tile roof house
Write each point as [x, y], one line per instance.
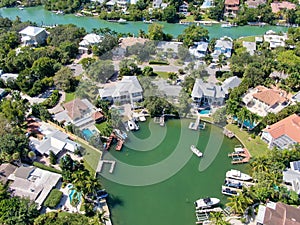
[278, 214]
[277, 6]
[284, 133]
[231, 7]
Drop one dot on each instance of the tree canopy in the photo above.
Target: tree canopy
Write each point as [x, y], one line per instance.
[193, 34]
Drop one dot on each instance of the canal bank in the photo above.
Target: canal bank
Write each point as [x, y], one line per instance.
[43, 17]
[159, 185]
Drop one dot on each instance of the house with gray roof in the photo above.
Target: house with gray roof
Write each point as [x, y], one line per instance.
[6, 169]
[54, 140]
[291, 177]
[170, 91]
[128, 90]
[33, 35]
[250, 47]
[206, 94]
[296, 97]
[230, 83]
[9, 76]
[33, 183]
[223, 46]
[88, 41]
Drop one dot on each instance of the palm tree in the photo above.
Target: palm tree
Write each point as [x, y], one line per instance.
[259, 164]
[242, 116]
[217, 218]
[238, 204]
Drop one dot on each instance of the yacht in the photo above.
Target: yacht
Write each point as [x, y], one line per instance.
[196, 151]
[206, 202]
[122, 21]
[238, 175]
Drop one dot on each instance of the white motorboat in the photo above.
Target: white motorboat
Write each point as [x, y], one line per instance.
[148, 21]
[196, 151]
[132, 125]
[206, 202]
[226, 25]
[122, 21]
[238, 175]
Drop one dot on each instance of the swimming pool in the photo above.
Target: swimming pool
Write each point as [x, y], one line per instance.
[246, 123]
[87, 134]
[204, 112]
[71, 195]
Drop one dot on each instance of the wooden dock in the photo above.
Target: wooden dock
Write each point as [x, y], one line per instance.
[245, 157]
[101, 164]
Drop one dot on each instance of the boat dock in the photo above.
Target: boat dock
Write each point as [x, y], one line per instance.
[244, 183]
[202, 215]
[119, 145]
[228, 133]
[240, 156]
[101, 164]
[197, 125]
[231, 191]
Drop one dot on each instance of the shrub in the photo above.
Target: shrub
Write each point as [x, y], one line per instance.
[157, 62]
[53, 199]
[44, 167]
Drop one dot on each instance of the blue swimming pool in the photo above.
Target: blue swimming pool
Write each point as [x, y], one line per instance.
[246, 123]
[71, 195]
[204, 112]
[87, 134]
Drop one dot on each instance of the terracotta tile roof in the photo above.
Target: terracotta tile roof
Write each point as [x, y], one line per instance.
[269, 96]
[75, 108]
[232, 2]
[283, 214]
[289, 126]
[277, 6]
[97, 115]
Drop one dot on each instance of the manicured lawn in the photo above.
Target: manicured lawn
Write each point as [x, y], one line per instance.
[189, 18]
[256, 146]
[91, 157]
[161, 74]
[53, 199]
[207, 119]
[248, 38]
[70, 96]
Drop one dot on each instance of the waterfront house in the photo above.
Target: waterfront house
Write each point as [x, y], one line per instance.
[156, 4]
[250, 47]
[206, 94]
[199, 49]
[33, 35]
[88, 41]
[110, 4]
[183, 8]
[80, 112]
[278, 6]
[262, 100]
[230, 83]
[128, 90]
[171, 92]
[33, 183]
[52, 140]
[275, 40]
[278, 213]
[255, 3]
[231, 8]
[291, 177]
[9, 77]
[284, 133]
[279, 75]
[223, 46]
[168, 46]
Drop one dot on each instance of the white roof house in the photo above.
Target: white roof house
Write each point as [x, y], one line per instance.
[8, 76]
[33, 183]
[167, 89]
[168, 45]
[199, 49]
[124, 91]
[33, 35]
[223, 46]
[292, 176]
[88, 40]
[156, 3]
[230, 83]
[250, 47]
[275, 40]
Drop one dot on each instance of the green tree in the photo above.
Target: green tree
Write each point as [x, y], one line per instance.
[155, 32]
[219, 116]
[52, 158]
[170, 14]
[65, 80]
[193, 34]
[100, 70]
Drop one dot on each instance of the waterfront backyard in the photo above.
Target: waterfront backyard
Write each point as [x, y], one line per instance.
[157, 176]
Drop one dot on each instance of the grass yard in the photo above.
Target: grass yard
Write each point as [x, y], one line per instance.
[248, 38]
[163, 75]
[256, 146]
[70, 96]
[91, 157]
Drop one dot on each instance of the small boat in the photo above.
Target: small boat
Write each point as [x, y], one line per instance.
[184, 23]
[226, 25]
[233, 184]
[206, 202]
[122, 21]
[102, 194]
[148, 21]
[196, 151]
[132, 125]
[21, 8]
[229, 191]
[60, 12]
[238, 175]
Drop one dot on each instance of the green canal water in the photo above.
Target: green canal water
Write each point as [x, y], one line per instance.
[41, 16]
[157, 177]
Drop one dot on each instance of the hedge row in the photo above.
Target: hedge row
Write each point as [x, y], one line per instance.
[53, 198]
[156, 62]
[44, 167]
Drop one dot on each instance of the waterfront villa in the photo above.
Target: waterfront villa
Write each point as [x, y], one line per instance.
[8, 76]
[88, 41]
[206, 94]
[80, 112]
[33, 183]
[278, 6]
[52, 140]
[262, 100]
[283, 134]
[33, 35]
[223, 46]
[291, 177]
[250, 47]
[231, 8]
[199, 49]
[183, 8]
[278, 213]
[275, 40]
[168, 90]
[255, 3]
[166, 46]
[128, 90]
